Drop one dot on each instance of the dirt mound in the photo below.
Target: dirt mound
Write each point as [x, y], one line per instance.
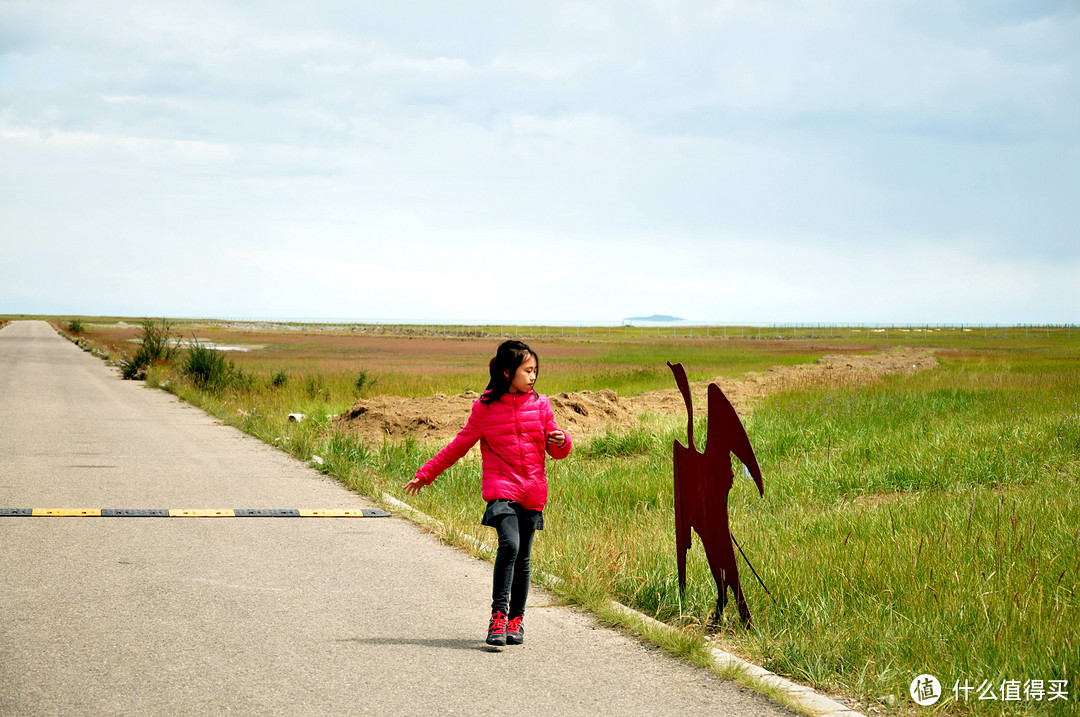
[827, 372]
[584, 412]
[439, 418]
[428, 420]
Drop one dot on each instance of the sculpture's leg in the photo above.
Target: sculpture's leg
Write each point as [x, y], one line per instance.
[740, 601]
[721, 556]
[721, 602]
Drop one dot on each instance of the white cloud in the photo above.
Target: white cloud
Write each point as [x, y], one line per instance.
[796, 148]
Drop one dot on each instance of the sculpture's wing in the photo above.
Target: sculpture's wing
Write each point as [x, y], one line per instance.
[684, 464]
[684, 389]
[726, 433]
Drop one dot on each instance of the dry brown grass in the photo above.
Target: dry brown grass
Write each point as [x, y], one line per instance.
[330, 351]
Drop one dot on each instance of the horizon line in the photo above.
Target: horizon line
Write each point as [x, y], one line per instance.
[560, 323]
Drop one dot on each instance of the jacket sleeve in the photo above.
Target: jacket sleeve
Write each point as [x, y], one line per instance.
[463, 441]
[555, 452]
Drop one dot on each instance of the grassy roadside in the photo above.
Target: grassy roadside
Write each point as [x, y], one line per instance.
[927, 523]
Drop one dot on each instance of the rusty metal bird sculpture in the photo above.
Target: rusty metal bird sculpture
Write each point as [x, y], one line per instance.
[702, 483]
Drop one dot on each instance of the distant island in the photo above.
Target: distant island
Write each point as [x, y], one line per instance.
[654, 317]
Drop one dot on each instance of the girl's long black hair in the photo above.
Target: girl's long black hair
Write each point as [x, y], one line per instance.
[509, 356]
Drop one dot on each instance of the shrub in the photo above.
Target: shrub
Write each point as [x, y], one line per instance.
[75, 326]
[132, 369]
[362, 380]
[280, 379]
[208, 368]
[157, 344]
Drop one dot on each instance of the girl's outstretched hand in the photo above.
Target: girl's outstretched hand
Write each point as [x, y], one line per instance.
[413, 487]
[556, 438]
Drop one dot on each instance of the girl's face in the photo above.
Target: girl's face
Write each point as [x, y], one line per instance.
[525, 377]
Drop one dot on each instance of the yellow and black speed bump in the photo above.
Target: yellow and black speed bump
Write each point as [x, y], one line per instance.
[193, 513]
[134, 513]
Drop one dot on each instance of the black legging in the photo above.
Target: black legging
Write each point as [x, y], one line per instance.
[510, 588]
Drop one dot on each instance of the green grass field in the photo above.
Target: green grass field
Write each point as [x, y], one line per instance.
[924, 523]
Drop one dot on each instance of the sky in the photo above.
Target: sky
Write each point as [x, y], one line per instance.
[823, 161]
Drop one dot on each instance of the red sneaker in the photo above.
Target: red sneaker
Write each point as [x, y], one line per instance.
[515, 631]
[497, 629]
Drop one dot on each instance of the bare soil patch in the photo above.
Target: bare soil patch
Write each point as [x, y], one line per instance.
[438, 419]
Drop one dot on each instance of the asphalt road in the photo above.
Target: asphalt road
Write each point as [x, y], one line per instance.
[252, 616]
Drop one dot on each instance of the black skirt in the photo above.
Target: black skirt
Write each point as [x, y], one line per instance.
[499, 507]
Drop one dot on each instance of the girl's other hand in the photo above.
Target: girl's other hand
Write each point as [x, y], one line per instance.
[413, 487]
[556, 438]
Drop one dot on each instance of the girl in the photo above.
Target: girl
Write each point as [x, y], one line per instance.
[515, 427]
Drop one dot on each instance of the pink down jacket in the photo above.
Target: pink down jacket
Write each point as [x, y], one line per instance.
[513, 441]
